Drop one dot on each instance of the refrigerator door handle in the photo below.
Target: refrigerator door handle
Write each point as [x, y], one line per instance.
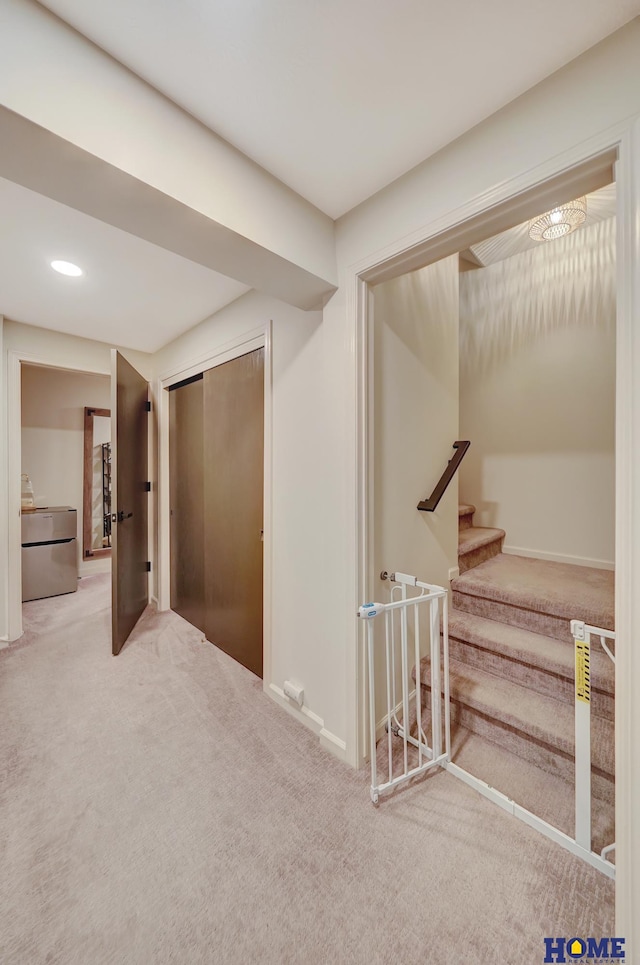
[51, 542]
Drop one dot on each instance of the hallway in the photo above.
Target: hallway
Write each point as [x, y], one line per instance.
[159, 808]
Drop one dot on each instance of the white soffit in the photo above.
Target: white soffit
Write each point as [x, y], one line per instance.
[133, 293]
[337, 99]
[601, 205]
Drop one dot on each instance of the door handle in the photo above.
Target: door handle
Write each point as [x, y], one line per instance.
[120, 516]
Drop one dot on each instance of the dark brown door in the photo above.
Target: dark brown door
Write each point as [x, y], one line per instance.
[233, 427]
[186, 485]
[129, 468]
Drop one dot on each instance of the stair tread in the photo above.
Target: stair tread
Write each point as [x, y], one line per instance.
[558, 589]
[537, 650]
[476, 536]
[466, 509]
[549, 796]
[543, 718]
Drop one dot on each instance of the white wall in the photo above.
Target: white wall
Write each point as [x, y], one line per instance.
[68, 351]
[415, 378]
[302, 647]
[590, 95]
[53, 404]
[537, 396]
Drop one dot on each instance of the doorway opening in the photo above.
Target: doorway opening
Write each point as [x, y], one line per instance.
[61, 488]
[54, 442]
[440, 366]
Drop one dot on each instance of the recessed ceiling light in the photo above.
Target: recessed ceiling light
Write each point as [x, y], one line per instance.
[66, 268]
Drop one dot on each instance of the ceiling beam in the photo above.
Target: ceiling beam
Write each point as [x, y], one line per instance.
[41, 161]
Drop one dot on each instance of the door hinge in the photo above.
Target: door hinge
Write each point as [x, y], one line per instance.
[147, 566]
[147, 487]
[147, 406]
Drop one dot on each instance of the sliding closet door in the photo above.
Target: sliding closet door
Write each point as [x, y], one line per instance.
[186, 470]
[233, 506]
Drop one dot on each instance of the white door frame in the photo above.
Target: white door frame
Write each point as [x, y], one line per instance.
[13, 577]
[247, 342]
[504, 205]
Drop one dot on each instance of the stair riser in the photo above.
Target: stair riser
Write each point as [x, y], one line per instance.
[524, 674]
[480, 555]
[549, 759]
[466, 521]
[549, 626]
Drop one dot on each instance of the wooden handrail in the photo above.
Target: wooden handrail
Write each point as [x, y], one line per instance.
[428, 505]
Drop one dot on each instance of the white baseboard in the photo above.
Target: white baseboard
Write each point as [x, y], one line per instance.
[333, 744]
[303, 714]
[558, 558]
[307, 717]
[454, 573]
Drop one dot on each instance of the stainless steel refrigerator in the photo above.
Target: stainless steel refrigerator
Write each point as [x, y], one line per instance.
[49, 552]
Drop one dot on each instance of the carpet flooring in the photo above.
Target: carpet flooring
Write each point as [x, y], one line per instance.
[537, 589]
[159, 808]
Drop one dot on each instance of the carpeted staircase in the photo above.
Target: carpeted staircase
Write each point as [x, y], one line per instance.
[512, 675]
[476, 544]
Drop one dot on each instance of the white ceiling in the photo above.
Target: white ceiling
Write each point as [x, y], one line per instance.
[133, 293]
[335, 98]
[341, 97]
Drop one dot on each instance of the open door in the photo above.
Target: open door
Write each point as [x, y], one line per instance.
[130, 495]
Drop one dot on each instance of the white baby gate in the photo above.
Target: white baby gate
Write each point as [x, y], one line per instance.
[400, 714]
[582, 634]
[404, 644]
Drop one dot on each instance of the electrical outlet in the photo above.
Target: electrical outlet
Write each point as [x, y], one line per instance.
[294, 692]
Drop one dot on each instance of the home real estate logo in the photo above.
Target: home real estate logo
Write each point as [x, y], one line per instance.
[595, 951]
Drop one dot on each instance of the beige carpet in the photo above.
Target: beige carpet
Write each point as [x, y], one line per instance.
[158, 808]
[536, 589]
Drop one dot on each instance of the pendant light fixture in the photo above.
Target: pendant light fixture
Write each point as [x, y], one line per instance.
[559, 221]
